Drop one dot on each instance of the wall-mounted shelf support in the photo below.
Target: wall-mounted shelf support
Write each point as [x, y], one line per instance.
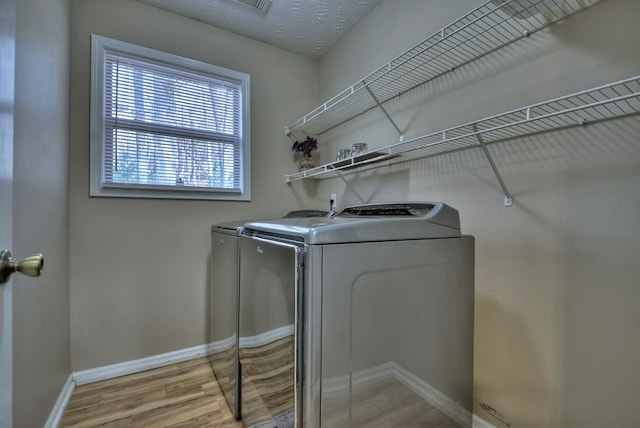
[508, 199]
[379, 104]
[350, 187]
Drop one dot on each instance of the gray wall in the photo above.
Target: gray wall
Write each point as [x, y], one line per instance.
[41, 356]
[556, 274]
[139, 267]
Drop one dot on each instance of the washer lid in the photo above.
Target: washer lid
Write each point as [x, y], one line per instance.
[235, 227]
[388, 221]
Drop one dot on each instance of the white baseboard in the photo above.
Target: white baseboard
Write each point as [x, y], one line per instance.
[55, 417]
[439, 400]
[134, 366]
[442, 402]
[340, 384]
[222, 345]
[423, 389]
[267, 337]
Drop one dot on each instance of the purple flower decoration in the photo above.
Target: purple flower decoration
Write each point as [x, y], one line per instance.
[306, 146]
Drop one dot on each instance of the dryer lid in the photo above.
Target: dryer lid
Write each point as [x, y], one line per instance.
[389, 221]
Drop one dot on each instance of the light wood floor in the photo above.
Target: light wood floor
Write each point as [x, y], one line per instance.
[181, 395]
[188, 395]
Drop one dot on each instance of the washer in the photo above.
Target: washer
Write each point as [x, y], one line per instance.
[335, 311]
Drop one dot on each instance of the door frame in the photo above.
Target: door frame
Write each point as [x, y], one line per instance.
[7, 85]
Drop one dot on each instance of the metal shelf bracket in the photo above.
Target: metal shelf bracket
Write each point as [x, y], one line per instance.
[508, 199]
[379, 104]
[349, 186]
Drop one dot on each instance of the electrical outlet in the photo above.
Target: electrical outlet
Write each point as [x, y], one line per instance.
[333, 200]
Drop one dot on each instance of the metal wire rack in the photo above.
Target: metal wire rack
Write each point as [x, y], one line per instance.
[484, 30]
[610, 101]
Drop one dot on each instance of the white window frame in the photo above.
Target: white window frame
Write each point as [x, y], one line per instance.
[98, 186]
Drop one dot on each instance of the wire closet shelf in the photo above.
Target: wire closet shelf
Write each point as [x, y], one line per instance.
[615, 100]
[491, 26]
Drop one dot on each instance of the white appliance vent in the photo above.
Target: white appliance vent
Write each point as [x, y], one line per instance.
[261, 5]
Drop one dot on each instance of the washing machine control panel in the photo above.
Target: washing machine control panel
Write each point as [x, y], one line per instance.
[388, 210]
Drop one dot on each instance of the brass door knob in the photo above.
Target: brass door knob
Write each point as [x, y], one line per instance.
[30, 266]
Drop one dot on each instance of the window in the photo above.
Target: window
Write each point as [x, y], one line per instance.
[164, 126]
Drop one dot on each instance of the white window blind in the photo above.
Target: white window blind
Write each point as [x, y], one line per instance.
[168, 124]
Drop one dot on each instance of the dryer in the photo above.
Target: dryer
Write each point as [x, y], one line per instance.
[223, 304]
[351, 319]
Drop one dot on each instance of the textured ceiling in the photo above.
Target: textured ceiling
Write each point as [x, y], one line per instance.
[307, 27]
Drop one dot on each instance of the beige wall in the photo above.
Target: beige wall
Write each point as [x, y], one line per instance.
[139, 267]
[557, 273]
[41, 357]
